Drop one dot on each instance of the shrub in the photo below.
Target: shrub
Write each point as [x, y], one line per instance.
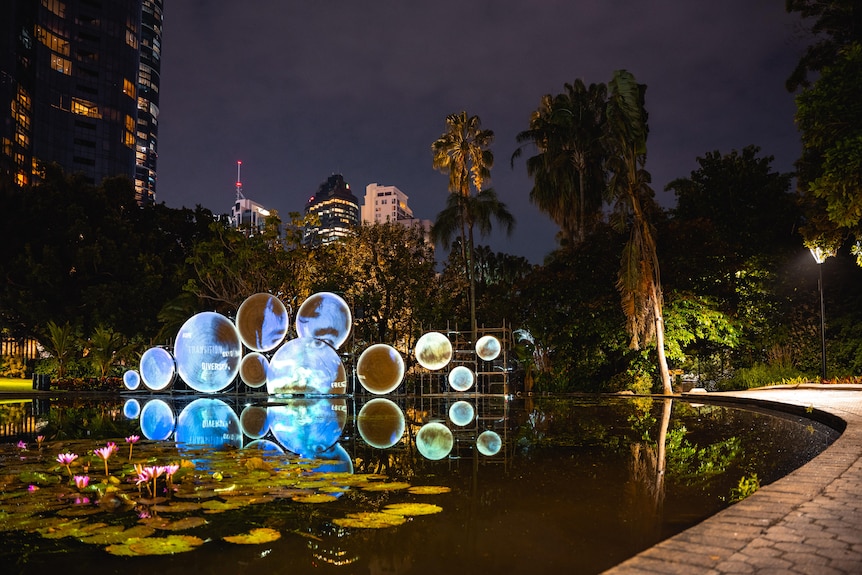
[761, 375]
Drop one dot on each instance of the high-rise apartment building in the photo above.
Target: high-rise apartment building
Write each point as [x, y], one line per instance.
[389, 204]
[336, 207]
[79, 87]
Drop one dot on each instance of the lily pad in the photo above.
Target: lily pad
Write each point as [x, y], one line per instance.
[177, 507]
[429, 489]
[114, 534]
[315, 498]
[156, 545]
[255, 536]
[391, 486]
[411, 509]
[370, 520]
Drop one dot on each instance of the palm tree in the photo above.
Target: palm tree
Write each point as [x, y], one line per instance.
[463, 152]
[63, 343]
[568, 173]
[639, 279]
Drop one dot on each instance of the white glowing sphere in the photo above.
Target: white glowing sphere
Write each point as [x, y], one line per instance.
[253, 368]
[380, 423]
[461, 378]
[208, 351]
[131, 379]
[489, 443]
[157, 420]
[380, 368]
[461, 413]
[324, 316]
[304, 365]
[208, 421]
[157, 368]
[254, 421]
[434, 441]
[262, 322]
[488, 347]
[433, 350]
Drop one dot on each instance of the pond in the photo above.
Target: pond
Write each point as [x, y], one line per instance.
[352, 484]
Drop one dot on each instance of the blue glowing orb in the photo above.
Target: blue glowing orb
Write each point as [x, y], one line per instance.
[324, 316]
[380, 423]
[131, 379]
[380, 368]
[208, 352]
[461, 413]
[253, 369]
[262, 322]
[157, 420]
[157, 368]
[265, 447]
[308, 426]
[434, 441]
[433, 350]
[489, 443]
[461, 378]
[334, 460]
[304, 366]
[210, 422]
[131, 409]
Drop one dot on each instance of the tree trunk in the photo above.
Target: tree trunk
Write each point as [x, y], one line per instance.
[664, 372]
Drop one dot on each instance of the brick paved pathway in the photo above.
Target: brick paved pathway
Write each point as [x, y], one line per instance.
[809, 522]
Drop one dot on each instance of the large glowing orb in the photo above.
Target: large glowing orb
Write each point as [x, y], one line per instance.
[461, 378]
[434, 441]
[208, 421]
[380, 423]
[488, 347]
[131, 379]
[157, 420]
[324, 316]
[208, 352]
[158, 368]
[380, 368]
[304, 365]
[262, 322]
[308, 426]
[461, 413]
[433, 350]
[489, 443]
[253, 368]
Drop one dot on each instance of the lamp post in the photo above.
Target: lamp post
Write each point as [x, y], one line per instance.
[820, 256]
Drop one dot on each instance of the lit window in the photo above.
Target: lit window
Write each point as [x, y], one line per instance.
[52, 41]
[132, 38]
[61, 64]
[128, 88]
[56, 7]
[85, 108]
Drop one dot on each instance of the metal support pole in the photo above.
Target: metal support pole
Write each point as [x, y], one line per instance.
[822, 327]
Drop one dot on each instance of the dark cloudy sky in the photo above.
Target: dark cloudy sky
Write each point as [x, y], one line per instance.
[299, 90]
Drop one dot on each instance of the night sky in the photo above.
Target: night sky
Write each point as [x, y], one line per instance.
[301, 90]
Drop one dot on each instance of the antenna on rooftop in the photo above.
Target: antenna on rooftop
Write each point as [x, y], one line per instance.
[239, 195]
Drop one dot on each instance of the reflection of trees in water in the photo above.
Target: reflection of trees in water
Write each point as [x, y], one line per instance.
[97, 418]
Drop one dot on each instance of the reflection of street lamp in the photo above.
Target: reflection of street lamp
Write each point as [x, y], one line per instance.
[820, 256]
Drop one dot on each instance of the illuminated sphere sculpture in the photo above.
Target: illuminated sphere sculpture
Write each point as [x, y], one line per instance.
[489, 443]
[308, 426]
[253, 368]
[461, 378]
[158, 368]
[208, 421]
[208, 351]
[380, 423]
[324, 316]
[304, 365]
[434, 441]
[433, 350]
[488, 347]
[254, 421]
[380, 368]
[461, 413]
[262, 322]
[131, 379]
[157, 420]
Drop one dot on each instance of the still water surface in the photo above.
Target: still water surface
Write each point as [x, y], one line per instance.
[532, 485]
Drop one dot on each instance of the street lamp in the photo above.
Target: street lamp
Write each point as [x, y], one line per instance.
[820, 256]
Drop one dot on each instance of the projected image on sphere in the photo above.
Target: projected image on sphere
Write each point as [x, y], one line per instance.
[380, 369]
[381, 423]
[208, 352]
[433, 350]
[262, 322]
[324, 316]
[304, 365]
[253, 369]
[208, 421]
[308, 426]
[488, 348]
[158, 368]
[434, 441]
[461, 378]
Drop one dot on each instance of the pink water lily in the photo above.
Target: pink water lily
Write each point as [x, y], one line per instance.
[81, 481]
[67, 459]
[39, 440]
[31, 488]
[132, 440]
[105, 453]
[22, 445]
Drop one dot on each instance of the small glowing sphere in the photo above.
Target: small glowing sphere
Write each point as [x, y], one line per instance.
[324, 316]
[253, 368]
[131, 409]
[433, 350]
[488, 347]
[380, 423]
[489, 443]
[208, 352]
[434, 441]
[131, 379]
[461, 378]
[380, 369]
[254, 421]
[304, 365]
[262, 322]
[265, 446]
[157, 368]
[157, 420]
[461, 413]
[208, 421]
[308, 426]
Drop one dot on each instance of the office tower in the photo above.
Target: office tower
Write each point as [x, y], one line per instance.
[337, 209]
[149, 71]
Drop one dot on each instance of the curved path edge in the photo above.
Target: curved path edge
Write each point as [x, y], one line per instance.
[808, 522]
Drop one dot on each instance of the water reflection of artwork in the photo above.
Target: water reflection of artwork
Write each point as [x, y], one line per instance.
[489, 443]
[254, 421]
[380, 369]
[461, 378]
[157, 368]
[308, 426]
[131, 409]
[488, 347]
[324, 316]
[157, 420]
[380, 423]
[208, 352]
[434, 441]
[253, 369]
[461, 413]
[433, 350]
[208, 421]
[131, 379]
[304, 366]
[262, 322]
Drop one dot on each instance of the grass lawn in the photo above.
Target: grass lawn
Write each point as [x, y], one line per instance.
[15, 385]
